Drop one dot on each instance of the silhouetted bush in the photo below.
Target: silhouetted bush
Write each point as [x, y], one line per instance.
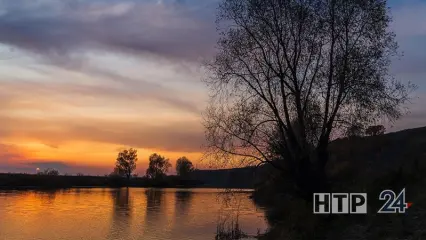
[229, 231]
[49, 172]
[375, 130]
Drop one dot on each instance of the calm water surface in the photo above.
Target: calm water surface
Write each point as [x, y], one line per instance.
[125, 214]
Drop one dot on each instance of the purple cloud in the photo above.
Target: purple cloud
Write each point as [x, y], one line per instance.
[61, 28]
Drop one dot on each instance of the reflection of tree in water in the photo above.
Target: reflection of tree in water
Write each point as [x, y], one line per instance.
[154, 199]
[169, 210]
[183, 202]
[77, 191]
[121, 214]
[156, 216]
[47, 196]
[122, 203]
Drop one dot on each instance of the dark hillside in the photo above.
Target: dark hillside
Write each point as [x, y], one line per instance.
[226, 178]
[370, 159]
[363, 164]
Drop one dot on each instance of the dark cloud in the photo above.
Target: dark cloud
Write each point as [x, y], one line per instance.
[60, 166]
[65, 168]
[59, 29]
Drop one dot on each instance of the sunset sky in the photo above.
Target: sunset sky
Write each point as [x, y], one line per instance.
[80, 80]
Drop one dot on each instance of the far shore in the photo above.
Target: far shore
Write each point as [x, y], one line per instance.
[15, 181]
[25, 188]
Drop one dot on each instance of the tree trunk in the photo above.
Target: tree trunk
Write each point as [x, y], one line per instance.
[311, 175]
[128, 180]
[322, 157]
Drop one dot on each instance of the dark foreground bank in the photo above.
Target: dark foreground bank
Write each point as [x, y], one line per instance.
[358, 165]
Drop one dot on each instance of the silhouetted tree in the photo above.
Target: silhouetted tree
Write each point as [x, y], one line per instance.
[356, 130]
[126, 162]
[375, 130]
[49, 172]
[184, 167]
[296, 73]
[158, 166]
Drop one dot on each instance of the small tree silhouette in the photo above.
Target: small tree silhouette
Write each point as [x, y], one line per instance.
[158, 166]
[356, 130]
[375, 130]
[126, 162]
[184, 167]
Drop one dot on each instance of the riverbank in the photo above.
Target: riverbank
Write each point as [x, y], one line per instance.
[33, 181]
[238, 178]
[11, 181]
[360, 165]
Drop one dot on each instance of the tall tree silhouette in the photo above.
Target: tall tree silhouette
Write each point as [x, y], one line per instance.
[291, 74]
[126, 162]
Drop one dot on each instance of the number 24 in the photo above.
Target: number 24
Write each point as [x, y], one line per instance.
[393, 203]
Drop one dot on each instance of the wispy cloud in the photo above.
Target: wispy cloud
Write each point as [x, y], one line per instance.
[59, 29]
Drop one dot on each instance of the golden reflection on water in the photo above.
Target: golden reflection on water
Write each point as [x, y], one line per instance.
[126, 213]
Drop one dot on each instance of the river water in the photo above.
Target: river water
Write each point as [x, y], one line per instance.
[125, 214]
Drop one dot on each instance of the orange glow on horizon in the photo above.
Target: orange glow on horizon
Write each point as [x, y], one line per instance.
[87, 154]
